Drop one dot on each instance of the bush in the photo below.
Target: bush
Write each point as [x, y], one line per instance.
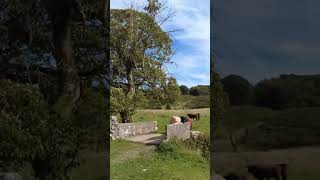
[32, 133]
[22, 118]
[178, 148]
[202, 143]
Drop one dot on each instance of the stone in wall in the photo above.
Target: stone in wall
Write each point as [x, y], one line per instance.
[133, 129]
[178, 131]
[121, 130]
[195, 134]
[113, 127]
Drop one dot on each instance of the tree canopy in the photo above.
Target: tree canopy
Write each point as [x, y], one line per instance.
[140, 49]
[52, 52]
[239, 90]
[184, 90]
[200, 90]
[289, 91]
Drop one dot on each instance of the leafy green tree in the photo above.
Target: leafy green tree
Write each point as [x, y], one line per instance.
[240, 91]
[139, 50]
[171, 91]
[120, 103]
[52, 51]
[35, 134]
[218, 98]
[288, 91]
[184, 90]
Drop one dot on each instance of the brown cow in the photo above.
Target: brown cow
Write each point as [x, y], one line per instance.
[186, 120]
[266, 172]
[194, 116]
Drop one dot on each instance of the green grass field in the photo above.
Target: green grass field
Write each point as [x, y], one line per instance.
[291, 136]
[139, 162]
[127, 164]
[163, 116]
[128, 159]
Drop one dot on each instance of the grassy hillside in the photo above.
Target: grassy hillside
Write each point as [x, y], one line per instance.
[275, 129]
[192, 102]
[273, 137]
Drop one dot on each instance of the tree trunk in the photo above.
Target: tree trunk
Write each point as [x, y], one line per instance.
[69, 78]
[233, 142]
[41, 169]
[125, 115]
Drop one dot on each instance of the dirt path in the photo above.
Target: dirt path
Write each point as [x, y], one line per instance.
[133, 153]
[147, 139]
[144, 145]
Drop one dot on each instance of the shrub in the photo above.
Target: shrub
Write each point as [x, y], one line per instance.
[202, 143]
[179, 148]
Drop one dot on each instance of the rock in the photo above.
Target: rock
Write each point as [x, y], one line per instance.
[113, 127]
[195, 134]
[10, 176]
[156, 125]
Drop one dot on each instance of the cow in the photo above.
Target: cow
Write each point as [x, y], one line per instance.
[194, 116]
[175, 120]
[185, 119]
[266, 172]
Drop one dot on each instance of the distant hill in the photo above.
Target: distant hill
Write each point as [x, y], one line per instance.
[194, 97]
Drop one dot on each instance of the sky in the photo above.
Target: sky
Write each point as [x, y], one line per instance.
[265, 38]
[191, 43]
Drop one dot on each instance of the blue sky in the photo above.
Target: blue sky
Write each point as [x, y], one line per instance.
[266, 38]
[191, 44]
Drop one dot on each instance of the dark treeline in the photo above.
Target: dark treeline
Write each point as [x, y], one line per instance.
[285, 91]
[199, 90]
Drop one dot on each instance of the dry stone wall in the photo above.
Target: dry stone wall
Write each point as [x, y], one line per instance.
[178, 131]
[122, 130]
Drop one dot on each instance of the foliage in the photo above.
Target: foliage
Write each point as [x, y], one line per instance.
[139, 51]
[23, 115]
[239, 90]
[288, 91]
[90, 118]
[156, 98]
[177, 149]
[200, 90]
[37, 50]
[171, 91]
[119, 101]
[219, 101]
[202, 143]
[35, 132]
[184, 90]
